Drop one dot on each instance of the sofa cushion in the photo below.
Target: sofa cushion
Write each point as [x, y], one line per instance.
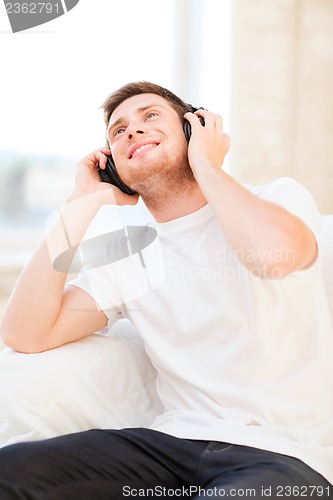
[97, 382]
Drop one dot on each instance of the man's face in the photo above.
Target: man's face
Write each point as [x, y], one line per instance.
[146, 138]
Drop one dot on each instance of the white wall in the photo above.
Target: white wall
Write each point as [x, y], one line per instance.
[282, 93]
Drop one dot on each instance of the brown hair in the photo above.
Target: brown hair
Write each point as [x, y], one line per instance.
[135, 88]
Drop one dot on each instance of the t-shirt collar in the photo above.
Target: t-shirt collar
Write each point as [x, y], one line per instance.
[186, 222]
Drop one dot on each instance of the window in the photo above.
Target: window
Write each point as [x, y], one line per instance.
[56, 81]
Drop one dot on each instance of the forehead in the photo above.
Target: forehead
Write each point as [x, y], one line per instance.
[135, 103]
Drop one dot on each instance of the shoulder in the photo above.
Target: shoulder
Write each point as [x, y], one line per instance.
[281, 188]
[292, 196]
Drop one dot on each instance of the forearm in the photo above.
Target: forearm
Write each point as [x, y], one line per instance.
[36, 300]
[269, 241]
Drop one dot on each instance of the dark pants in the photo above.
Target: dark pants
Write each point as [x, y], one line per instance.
[109, 464]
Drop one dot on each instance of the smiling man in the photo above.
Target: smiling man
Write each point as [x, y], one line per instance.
[152, 159]
[230, 320]
[152, 121]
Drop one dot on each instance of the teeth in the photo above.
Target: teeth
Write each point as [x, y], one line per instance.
[141, 148]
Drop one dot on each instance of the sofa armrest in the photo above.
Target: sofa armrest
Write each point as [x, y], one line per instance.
[97, 382]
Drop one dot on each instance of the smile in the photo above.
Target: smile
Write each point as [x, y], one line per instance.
[140, 149]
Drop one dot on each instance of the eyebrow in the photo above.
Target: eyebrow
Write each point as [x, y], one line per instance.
[139, 110]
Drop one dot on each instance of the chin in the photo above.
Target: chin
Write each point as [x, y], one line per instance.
[159, 173]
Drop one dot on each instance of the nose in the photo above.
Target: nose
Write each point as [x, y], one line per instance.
[134, 129]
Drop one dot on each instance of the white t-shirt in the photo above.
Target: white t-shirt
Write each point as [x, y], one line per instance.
[239, 359]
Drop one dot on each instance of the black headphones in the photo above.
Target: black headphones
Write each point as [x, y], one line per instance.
[110, 174]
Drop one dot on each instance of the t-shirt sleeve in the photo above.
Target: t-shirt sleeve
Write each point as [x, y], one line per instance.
[297, 200]
[125, 268]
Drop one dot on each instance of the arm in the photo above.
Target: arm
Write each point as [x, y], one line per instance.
[41, 314]
[257, 229]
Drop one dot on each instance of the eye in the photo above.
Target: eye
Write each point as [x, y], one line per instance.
[119, 131]
[151, 115]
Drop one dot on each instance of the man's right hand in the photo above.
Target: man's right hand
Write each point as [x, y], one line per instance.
[88, 181]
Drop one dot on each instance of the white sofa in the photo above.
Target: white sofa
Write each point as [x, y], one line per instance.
[98, 382]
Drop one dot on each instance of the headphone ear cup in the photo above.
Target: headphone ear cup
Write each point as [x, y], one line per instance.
[187, 130]
[110, 175]
[109, 168]
[104, 173]
[187, 126]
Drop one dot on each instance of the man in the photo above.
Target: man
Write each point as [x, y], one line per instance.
[226, 303]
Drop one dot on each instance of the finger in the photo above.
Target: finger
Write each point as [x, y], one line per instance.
[106, 151]
[211, 119]
[100, 157]
[193, 118]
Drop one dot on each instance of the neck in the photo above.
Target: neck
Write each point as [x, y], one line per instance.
[172, 205]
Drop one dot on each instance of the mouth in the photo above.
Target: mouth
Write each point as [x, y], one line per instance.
[138, 149]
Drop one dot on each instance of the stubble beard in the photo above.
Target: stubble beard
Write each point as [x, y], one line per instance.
[159, 184]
